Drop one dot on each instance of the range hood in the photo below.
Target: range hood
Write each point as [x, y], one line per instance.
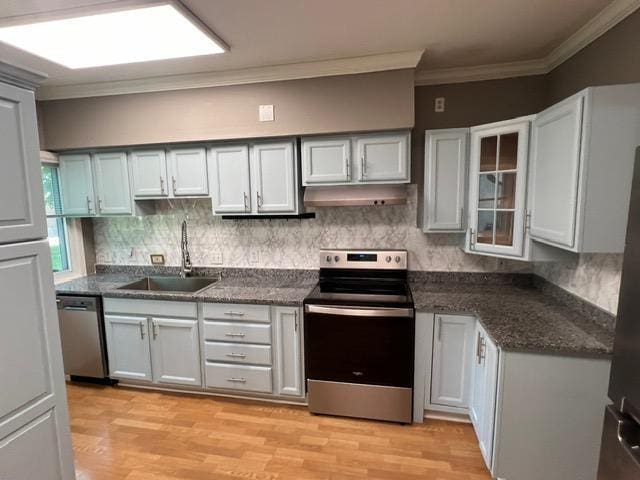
[355, 195]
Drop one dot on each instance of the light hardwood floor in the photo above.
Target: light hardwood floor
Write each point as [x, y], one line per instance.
[132, 434]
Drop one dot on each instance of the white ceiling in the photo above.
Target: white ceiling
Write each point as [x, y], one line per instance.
[453, 33]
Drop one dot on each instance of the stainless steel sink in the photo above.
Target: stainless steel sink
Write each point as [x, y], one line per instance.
[170, 284]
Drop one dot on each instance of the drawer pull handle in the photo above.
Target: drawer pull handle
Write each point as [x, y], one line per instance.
[238, 380]
[236, 355]
[231, 334]
[234, 314]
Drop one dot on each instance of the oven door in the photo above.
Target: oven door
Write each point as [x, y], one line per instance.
[360, 345]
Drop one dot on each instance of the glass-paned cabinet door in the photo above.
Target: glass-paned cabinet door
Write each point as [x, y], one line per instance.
[497, 188]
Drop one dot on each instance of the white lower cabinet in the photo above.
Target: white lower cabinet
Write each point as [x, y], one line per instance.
[288, 344]
[239, 377]
[145, 346]
[452, 360]
[175, 352]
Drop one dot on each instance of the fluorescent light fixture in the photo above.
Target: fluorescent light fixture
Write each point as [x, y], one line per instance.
[125, 36]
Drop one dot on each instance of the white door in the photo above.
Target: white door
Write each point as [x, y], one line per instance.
[452, 360]
[445, 179]
[35, 441]
[175, 351]
[229, 174]
[76, 184]
[288, 353]
[555, 167]
[113, 193]
[21, 212]
[497, 188]
[149, 171]
[383, 157]
[189, 171]
[326, 160]
[128, 347]
[273, 177]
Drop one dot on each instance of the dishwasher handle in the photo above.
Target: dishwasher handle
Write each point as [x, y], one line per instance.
[77, 309]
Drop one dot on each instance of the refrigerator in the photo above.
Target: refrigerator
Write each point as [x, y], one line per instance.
[620, 449]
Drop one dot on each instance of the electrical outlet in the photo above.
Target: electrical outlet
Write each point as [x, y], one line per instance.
[216, 258]
[254, 257]
[265, 113]
[439, 104]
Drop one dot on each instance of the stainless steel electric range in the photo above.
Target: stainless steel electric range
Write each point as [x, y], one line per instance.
[359, 336]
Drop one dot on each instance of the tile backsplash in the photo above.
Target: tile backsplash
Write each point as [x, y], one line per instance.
[295, 244]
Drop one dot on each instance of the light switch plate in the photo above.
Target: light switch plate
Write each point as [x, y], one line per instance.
[265, 113]
[157, 259]
[439, 104]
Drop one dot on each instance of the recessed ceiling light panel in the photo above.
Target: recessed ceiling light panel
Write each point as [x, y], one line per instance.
[126, 36]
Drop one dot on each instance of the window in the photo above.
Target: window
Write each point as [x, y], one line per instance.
[56, 225]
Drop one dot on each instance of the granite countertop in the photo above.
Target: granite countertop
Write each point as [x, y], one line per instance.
[236, 287]
[522, 318]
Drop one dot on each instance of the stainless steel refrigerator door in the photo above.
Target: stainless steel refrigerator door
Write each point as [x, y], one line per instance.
[619, 454]
[625, 371]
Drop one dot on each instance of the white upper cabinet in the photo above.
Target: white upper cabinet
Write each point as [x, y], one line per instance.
[497, 188]
[21, 218]
[383, 157]
[229, 179]
[76, 176]
[149, 173]
[452, 360]
[326, 160]
[188, 171]
[582, 154]
[359, 159]
[113, 193]
[175, 351]
[274, 177]
[446, 159]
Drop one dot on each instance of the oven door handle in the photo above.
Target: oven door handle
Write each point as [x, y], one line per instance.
[360, 312]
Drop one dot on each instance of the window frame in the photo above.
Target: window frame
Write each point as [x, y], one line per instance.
[73, 236]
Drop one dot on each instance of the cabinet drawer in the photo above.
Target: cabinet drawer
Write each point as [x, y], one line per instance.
[236, 312]
[237, 332]
[238, 377]
[237, 353]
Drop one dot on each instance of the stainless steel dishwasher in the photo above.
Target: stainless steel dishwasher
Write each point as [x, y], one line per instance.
[84, 351]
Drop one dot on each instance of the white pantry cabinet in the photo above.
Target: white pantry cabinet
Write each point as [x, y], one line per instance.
[582, 154]
[445, 181]
[153, 341]
[255, 179]
[95, 184]
[21, 211]
[360, 159]
[288, 345]
[497, 188]
[452, 360]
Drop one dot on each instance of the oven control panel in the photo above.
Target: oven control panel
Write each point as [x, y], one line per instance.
[364, 259]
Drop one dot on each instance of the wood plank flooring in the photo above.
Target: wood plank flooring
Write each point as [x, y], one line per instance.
[130, 434]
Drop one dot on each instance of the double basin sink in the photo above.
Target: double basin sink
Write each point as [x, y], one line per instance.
[170, 284]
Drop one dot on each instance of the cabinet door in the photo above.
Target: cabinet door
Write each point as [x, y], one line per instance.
[21, 209]
[383, 158]
[452, 360]
[113, 193]
[497, 188]
[444, 179]
[35, 441]
[189, 172]
[288, 353]
[175, 351]
[326, 161]
[149, 171]
[229, 174]
[555, 168]
[128, 347]
[274, 178]
[76, 178]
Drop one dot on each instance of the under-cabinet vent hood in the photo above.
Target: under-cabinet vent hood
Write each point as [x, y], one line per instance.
[355, 195]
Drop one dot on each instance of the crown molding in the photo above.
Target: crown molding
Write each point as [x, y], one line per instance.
[609, 17]
[342, 66]
[21, 76]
